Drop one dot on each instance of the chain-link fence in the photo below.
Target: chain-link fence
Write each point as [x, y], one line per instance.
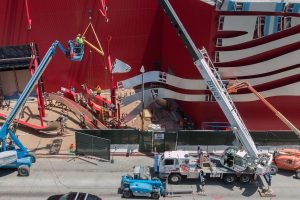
[167, 141]
[90, 145]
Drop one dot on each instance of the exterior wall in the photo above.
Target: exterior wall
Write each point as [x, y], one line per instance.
[142, 35]
[201, 26]
[134, 25]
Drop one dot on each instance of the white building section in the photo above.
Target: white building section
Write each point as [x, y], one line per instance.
[277, 63]
[227, 56]
[199, 84]
[239, 23]
[163, 77]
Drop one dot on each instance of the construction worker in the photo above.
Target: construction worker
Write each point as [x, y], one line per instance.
[79, 40]
[98, 90]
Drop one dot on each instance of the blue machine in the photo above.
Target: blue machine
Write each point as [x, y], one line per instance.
[138, 187]
[15, 154]
[75, 51]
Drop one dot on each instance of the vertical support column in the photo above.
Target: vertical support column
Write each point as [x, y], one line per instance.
[142, 70]
[119, 116]
[39, 93]
[113, 84]
[28, 17]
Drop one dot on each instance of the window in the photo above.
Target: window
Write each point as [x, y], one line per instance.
[81, 196]
[283, 7]
[221, 23]
[219, 3]
[207, 97]
[92, 197]
[240, 161]
[217, 56]
[289, 7]
[219, 42]
[69, 196]
[280, 24]
[288, 22]
[169, 162]
[238, 6]
[259, 27]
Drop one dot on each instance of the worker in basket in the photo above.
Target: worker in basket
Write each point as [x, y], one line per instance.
[79, 41]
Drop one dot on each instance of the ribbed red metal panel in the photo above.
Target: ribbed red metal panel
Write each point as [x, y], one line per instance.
[134, 25]
[141, 35]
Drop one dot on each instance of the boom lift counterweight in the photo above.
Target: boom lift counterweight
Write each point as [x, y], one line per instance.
[21, 158]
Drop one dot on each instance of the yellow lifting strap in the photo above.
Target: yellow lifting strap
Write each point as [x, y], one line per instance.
[100, 49]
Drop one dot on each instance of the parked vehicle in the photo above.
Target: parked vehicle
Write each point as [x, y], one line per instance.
[287, 159]
[178, 165]
[75, 196]
[140, 185]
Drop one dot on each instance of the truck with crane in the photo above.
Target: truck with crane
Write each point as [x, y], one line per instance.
[243, 157]
[14, 154]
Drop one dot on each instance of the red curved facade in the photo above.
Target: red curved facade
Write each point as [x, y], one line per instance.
[142, 35]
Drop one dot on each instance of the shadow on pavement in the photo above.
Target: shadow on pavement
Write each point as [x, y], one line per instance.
[286, 173]
[249, 189]
[5, 172]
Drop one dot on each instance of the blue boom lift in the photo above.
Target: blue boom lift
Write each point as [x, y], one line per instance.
[15, 154]
[141, 186]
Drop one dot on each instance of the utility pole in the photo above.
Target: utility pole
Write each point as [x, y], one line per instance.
[142, 70]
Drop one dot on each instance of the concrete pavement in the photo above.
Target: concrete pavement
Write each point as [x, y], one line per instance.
[51, 176]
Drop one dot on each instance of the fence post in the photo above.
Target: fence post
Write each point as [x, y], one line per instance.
[92, 146]
[152, 141]
[176, 142]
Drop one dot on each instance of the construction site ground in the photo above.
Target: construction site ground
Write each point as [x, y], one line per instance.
[52, 143]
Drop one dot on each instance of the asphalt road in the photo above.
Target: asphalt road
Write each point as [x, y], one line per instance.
[50, 176]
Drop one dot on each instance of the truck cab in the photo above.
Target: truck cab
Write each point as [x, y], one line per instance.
[176, 165]
[171, 161]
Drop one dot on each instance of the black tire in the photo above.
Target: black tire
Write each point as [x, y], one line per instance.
[127, 193]
[229, 178]
[23, 170]
[298, 173]
[273, 170]
[174, 178]
[32, 155]
[155, 195]
[245, 178]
